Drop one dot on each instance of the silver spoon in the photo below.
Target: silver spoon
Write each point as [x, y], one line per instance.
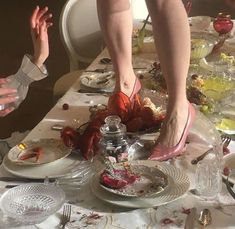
[205, 217]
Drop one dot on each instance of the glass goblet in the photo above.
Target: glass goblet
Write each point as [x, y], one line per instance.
[223, 23]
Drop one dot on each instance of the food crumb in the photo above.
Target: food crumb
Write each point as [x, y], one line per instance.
[65, 106]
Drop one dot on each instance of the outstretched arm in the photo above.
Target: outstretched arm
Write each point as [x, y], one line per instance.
[40, 22]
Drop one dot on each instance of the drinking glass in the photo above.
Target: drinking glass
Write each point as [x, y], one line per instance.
[208, 178]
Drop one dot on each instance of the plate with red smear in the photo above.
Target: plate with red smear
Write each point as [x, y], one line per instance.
[137, 181]
[40, 151]
[178, 184]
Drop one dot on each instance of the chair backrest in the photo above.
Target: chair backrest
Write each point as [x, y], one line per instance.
[80, 31]
[139, 9]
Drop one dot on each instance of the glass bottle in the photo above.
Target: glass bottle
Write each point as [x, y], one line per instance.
[13, 84]
[114, 144]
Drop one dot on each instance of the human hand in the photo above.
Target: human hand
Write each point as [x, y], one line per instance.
[7, 97]
[39, 25]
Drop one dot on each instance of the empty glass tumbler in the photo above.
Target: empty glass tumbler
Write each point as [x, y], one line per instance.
[208, 178]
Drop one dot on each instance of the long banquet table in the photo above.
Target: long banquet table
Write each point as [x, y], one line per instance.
[90, 212]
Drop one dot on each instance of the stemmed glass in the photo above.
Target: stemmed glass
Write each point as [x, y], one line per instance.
[222, 25]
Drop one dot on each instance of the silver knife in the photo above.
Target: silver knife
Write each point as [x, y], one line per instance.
[22, 179]
[191, 219]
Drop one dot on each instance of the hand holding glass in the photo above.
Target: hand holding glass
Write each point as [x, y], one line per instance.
[8, 96]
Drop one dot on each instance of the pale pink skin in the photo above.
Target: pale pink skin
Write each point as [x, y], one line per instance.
[39, 24]
[172, 36]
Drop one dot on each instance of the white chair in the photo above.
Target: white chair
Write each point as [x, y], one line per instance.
[80, 32]
[81, 36]
[139, 9]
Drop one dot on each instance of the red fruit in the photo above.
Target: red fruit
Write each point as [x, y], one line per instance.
[226, 151]
[167, 221]
[65, 106]
[226, 171]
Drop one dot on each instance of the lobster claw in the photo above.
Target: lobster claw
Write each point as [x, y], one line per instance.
[89, 143]
[119, 104]
[90, 138]
[70, 137]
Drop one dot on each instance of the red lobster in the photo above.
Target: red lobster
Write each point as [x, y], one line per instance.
[133, 114]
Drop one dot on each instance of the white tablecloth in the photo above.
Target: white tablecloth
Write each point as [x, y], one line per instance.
[90, 212]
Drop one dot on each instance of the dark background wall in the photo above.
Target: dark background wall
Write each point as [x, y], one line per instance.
[15, 41]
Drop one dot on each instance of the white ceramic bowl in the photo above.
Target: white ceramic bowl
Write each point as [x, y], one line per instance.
[32, 203]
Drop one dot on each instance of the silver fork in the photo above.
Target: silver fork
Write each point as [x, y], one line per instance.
[225, 141]
[66, 215]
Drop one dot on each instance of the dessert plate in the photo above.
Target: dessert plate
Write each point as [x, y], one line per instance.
[41, 150]
[56, 169]
[178, 186]
[151, 181]
[99, 81]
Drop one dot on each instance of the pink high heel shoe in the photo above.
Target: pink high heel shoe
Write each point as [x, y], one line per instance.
[162, 153]
[136, 89]
[122, 105]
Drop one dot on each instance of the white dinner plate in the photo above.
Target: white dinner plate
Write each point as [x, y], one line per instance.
[151, 181]
[52, 170]
[52, 150]
[178, 185]
[99, 81]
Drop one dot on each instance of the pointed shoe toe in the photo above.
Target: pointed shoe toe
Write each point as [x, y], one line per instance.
[162, 153]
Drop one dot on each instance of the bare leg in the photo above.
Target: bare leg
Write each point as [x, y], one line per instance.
[172, 38]
[116, 23]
